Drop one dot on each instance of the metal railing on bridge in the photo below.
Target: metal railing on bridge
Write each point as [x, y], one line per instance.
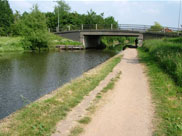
[124, 27]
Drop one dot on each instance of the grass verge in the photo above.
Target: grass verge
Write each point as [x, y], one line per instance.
[41, 117]
[58, 40]
[91, 110]
[168, 54]
[9, 44]
[167, 97]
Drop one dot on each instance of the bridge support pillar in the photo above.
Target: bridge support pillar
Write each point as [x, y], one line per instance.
[140, 39]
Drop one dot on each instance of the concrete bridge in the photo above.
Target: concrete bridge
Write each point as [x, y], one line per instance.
[91, 38]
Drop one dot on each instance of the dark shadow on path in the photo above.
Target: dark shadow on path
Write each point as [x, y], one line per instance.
[129, 46]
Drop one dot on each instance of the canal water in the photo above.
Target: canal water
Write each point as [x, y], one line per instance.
[25, 77]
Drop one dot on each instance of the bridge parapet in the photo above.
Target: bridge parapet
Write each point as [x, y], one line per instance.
[120, 27]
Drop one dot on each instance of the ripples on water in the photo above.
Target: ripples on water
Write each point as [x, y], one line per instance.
[25, 77]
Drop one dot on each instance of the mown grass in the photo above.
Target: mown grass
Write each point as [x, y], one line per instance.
[167, 95]
[168, 54]
[40, 117]
[8, 44]
[57, 40]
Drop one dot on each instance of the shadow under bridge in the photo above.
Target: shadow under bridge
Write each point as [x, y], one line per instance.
[92, 39]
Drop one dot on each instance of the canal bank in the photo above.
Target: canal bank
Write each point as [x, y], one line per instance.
[40, 117]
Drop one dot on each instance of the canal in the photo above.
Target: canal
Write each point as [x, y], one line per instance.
[25, 77]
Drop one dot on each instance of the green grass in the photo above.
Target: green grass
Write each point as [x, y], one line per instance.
[57, 40]
[76, 131]
[85, 120]
[41, 117]
[168, 54]
[167, 97]
[9, 44]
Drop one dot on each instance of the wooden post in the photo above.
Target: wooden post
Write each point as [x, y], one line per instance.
[111, 26]
[96, 26]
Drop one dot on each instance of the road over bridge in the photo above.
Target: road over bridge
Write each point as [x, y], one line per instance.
[91, 37]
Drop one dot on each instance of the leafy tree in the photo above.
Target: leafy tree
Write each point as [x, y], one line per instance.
[15, 28]
[51, 20]
[156, 27]
[110, 20]
[6, 17]
[34, 30]
[62, 10]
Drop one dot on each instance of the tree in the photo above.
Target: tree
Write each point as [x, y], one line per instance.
[62, 10]
[156, 27]
[51, 20]
[34, 30]
[110, 20]
[6, 18]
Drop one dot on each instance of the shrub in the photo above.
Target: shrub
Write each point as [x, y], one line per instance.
[34, 30]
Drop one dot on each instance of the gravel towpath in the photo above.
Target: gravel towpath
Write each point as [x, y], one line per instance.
[128, 110]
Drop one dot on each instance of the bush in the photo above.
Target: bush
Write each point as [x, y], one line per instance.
[35, 40]
[34, 30]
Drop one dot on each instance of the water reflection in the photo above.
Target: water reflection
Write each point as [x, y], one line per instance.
[25, 77]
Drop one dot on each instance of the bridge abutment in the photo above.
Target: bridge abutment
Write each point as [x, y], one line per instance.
[91, 41]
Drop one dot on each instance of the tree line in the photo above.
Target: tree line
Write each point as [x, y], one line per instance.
[34, 26]
[11, 23]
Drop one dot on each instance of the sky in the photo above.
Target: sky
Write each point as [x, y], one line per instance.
[144, 12]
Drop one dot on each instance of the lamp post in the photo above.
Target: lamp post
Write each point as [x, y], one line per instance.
[58, 18]
[179, 17]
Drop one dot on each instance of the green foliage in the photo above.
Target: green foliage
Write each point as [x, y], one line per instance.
[55, 40]
[33, 26]
[85, 120]
[62, 7]
[168, 53]
[76, 131]
[166, 97]
[156, 27]
[51, 20]
[116, 43]
[75, 20]
[6, 18]
[34, 30]
[10, 44]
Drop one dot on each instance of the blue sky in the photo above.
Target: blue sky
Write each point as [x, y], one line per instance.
[166, 12]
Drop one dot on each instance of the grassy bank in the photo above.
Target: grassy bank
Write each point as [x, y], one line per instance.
[40, 118]
[57, 40]
[14, 43]
[10, 44]
[168, 54]
[159, 55]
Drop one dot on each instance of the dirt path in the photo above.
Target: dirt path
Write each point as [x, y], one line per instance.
[63, 127]
[128, 109]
